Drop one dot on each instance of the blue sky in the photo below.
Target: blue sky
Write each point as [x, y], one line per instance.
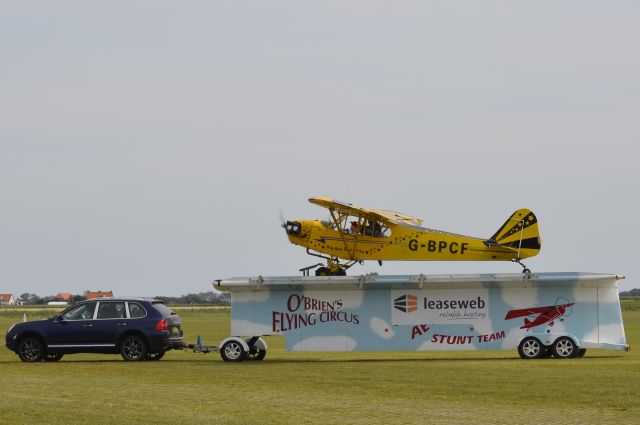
[148, 147]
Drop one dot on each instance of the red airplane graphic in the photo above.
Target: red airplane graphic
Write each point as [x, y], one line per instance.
[544, 314]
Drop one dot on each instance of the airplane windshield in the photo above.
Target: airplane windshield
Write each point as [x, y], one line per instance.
[352, 225]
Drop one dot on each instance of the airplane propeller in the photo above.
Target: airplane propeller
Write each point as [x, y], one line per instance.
[283, 221]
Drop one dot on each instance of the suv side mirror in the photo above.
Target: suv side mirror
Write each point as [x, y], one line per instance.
[58, 318]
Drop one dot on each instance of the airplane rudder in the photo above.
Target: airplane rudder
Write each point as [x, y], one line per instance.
[520, 230]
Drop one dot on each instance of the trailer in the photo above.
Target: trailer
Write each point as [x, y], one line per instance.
[540, 315]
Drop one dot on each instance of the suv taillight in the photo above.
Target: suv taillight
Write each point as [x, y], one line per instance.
[162, 325]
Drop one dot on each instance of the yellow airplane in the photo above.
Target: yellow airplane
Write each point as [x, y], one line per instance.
[357, 234]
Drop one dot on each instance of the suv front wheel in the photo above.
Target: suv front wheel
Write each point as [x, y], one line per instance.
[133, 348]
[30, 349]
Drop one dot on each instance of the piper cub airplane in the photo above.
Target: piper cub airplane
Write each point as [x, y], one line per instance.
[357, 234]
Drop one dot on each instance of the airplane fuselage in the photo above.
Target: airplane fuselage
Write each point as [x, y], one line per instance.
[400, 243]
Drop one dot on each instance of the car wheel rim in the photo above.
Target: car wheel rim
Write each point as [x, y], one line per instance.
[133, 349]
[531, 348]
[30, 350]
[564, 348]
[232, 351]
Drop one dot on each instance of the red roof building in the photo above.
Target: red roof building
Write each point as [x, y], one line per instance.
[64, 296]
[7, 299]
[98, 294]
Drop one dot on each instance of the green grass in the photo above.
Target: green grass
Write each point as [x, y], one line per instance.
[630, 304]
[292, 388]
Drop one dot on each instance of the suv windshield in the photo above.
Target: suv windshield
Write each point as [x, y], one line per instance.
[162, 309]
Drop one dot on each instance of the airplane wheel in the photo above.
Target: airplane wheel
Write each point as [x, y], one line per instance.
[531, 348]
[340, 272]
[564, 348]
[323, 271]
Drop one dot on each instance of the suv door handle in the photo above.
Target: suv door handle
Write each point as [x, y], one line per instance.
[121, 324]
[87, 325]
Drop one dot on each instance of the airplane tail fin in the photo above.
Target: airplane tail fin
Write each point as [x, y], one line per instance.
[520, 233]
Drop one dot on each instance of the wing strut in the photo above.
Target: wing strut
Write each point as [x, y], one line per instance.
[341, 231]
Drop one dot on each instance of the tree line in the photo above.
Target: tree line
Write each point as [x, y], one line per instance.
[207, 298]
[633, 293]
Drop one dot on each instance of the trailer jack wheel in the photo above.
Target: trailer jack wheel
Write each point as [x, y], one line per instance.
[232, 351]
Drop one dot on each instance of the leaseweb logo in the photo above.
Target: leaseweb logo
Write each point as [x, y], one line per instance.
[406, 303]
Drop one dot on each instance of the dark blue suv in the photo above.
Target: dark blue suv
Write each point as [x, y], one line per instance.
[137, 328]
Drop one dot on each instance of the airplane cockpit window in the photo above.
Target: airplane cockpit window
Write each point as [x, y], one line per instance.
[373, 228]
[353, 225]
[376, 229]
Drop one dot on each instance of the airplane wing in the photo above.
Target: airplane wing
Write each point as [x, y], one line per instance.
[386, 216]
[513, 314]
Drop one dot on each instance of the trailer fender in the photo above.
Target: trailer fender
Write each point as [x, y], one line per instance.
[549, 338]
[259, 343]
[242, 342]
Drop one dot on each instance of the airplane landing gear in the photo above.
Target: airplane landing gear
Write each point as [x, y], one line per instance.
[525, 269]
[333, 268]
[326, 271]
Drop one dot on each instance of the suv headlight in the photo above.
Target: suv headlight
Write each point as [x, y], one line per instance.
[12, 326]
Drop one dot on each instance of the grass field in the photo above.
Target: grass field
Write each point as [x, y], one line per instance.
[295, 388]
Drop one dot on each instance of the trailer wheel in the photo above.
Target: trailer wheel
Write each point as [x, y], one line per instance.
[232, 351]
[564, 348]
[531, 348]
[256, 355]
[581, 352]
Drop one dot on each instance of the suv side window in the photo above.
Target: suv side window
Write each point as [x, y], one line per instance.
[111, 310]
[80, 312]
[136, 311]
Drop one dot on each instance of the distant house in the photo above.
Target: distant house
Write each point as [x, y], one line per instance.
[7, 299]
[63, 296]
[98, 294]
[58, 303]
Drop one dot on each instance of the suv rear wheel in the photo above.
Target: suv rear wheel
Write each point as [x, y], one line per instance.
[133, 348]
[30, 349]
